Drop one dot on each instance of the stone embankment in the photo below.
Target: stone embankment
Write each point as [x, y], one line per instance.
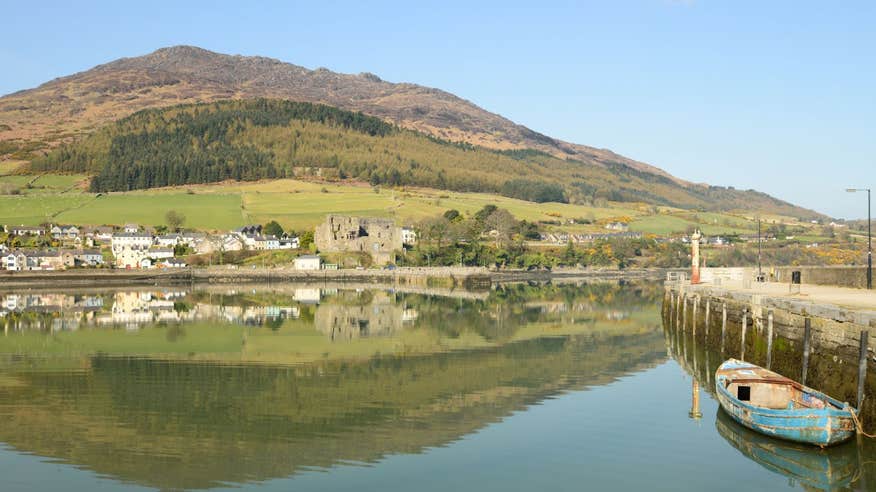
[444, 276]
[467, 277]
[818, 335]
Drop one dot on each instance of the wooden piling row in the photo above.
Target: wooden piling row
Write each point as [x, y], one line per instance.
[678, 311]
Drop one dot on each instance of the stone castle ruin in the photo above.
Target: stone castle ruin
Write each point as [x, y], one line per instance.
[378, 237]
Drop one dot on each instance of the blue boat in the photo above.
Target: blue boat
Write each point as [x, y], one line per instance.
[772, 404]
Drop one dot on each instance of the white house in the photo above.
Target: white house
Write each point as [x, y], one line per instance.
[249, 240]
[15, 260]
[24, 230]
[307, 262]
[167, 240]
[172, 263]
[191, 238]
[88, 257]
[617, 226]
[265, 242]
[287, 242]
[103, 234]
[231, 242]
[131, 240]
[129, 257]
[409, 236]
[159, 253]
[131, 228]
[65, 232]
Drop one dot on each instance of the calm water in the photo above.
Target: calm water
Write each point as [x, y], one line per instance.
[526, 387]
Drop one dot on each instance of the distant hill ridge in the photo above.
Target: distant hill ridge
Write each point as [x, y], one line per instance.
[65, 109]
[269, 138]
[82, 102]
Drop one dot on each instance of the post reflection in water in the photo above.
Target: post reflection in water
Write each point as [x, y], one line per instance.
[182, 389]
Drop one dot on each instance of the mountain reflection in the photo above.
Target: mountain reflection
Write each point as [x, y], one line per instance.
[213, 386]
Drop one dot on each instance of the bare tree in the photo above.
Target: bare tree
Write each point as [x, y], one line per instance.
[434, 230]
[500, 224]
[174, 219]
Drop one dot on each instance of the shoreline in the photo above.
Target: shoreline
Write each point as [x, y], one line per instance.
[473, 278]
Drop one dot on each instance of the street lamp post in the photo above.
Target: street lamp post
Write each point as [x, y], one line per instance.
[869, 237]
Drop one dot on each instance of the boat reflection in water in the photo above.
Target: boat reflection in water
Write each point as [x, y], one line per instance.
[823, 469]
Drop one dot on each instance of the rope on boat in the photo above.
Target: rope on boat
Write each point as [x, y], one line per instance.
[858, 424]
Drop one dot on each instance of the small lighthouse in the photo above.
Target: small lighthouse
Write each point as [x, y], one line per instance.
[695, 257]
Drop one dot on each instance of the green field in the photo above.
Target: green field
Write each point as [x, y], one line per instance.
[207, 211]
[680, 221]
[299, 205]
[295, 204]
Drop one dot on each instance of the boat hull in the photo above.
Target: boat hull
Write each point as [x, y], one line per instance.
[819, 426]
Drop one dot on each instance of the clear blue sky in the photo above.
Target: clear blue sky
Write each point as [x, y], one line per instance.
[778, 96]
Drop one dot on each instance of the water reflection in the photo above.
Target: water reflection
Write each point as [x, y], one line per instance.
[197, 389]
[844, 467]
[821, 469]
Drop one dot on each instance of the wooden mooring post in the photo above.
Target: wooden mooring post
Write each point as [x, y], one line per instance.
[723, 326]
[671, 305]
[807, 334]
[696, 305]
[769, 340]
[708, 311]
[744, 329]
[862, 366]
[684, 316]
[678, 310]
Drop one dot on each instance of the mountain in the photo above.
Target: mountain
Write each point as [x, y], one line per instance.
[255, 139]
[65, 110]
[68, 106]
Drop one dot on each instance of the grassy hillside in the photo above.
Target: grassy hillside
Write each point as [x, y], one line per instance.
[258, 139]
[299, 205]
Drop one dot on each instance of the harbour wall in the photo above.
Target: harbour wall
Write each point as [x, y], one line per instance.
[771, 331]
[837, 275]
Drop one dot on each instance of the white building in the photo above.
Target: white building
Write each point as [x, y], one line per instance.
[65, 232]
[232, 242]
[167, 240]
[23, 230]
[88, 257]
[308, 262]
[617, 226]
[172, 263]
[130, 240]
[131, 228]
[265, 242]
[15, 260]
[409, 236]
[158, 253]
[129, 257]
[289, 242]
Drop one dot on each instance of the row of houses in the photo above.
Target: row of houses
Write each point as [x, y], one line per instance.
[19, 260]
[133, 246]
[564, 238]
